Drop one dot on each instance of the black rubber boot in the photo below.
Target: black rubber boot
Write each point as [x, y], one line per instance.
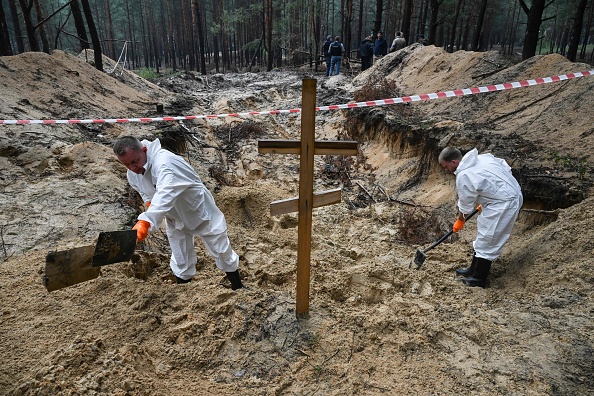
[468, 271]
[180, 280]
[235, 280]
[481, 272]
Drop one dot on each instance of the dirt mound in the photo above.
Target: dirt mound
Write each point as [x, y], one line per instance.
[61, 86]
[549, 116]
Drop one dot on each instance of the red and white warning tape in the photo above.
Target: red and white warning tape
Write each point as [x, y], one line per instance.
[380, 102]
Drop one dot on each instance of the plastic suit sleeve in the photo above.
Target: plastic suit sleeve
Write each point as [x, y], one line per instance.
[167, 190]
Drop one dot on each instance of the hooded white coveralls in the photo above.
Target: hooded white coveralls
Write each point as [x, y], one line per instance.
[487, 180]
[177, 194]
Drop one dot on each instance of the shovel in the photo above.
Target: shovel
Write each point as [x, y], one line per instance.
[421, 256]
[114, 247]
[70, 267]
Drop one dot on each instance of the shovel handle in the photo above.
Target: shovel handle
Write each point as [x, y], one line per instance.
[443, 238]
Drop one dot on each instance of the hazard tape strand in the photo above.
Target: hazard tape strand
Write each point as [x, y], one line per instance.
[379, 102]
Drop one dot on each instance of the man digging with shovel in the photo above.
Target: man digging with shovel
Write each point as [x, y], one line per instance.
[171, 189]
[485, 180]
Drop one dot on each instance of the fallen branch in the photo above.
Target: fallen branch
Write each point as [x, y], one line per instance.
[2, 240]
[367, 192]
[384, 191]
[544, 212]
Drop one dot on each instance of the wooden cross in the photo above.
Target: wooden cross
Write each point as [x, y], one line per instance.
[307, 200]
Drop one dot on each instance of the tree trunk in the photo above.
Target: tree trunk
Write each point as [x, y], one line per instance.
[16, 26]
[268, 28]
[576, 32]
[377, 24]
[434, 5]
[172, 49]
[452, 41]
[131, 35]
[476, 40]
[144, 46]
[109, 30]
[534, 14]
[466, 33]
[5, 48]
[31, 36]
[423, 19]
[198, 23]
[41, 26]
[94, 36]
[79, 23]
[153, 35]
[360, 34]
[587, 34]
[406, 17]
[348, 20]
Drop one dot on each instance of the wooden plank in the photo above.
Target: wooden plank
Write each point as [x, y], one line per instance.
[335, 147]
[69, 267]
[271, 146]
[321, 147]
[291, 205]
[306, 173]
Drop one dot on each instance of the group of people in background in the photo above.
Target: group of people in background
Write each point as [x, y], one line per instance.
[333, 53]
[370, 50]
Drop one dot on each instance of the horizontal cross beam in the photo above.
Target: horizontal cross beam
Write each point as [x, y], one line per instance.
[321, 147]
[290, 205]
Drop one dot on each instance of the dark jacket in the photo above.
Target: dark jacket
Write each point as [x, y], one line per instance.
[380, 47]
[326, 47]
[366, 49]
[336, 49]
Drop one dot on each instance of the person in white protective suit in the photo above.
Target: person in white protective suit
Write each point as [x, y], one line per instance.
[487, 181]
[173, 191]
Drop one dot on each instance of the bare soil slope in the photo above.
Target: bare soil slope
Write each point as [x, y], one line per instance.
[376, 327]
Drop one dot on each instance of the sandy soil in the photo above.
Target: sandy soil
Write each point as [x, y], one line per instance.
[376, 327]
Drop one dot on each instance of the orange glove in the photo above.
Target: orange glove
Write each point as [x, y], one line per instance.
[479, 208]
[148, 204]
[458, 225]
[142, 229]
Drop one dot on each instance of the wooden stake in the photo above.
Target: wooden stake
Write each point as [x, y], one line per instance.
[306, 171]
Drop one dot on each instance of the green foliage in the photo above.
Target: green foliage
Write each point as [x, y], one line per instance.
[146, 73]
[252, 45]
[579, 165]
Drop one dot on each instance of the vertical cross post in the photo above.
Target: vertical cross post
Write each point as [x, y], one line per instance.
[306, 171]
[306, 148]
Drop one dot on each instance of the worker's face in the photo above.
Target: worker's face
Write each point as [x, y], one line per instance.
[450, 166]
[135, 160]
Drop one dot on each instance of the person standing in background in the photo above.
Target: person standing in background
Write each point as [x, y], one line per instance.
[380, 47]
[398, 43]
[336, 52]
[327, 57]
[366, 53]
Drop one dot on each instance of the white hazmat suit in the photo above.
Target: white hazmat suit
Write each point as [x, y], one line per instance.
[488, 181]
[178, 195]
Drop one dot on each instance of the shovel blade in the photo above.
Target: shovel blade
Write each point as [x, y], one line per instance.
[420, 257]
[114, 247]
[69, 267]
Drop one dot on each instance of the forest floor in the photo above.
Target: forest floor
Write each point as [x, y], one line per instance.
[375, 326]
